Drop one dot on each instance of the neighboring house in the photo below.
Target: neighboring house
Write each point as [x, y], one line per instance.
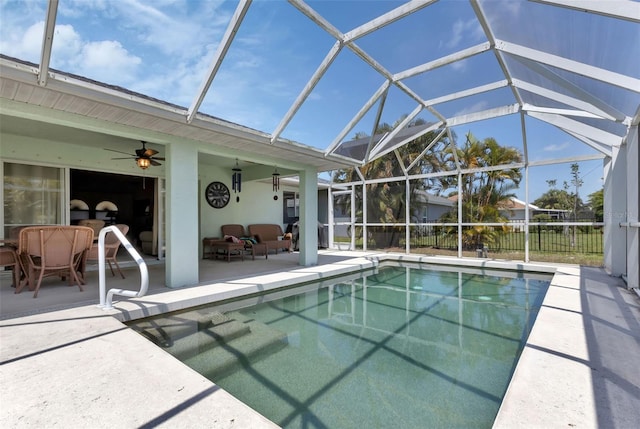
[426, 208]
[431, 207]
[515, 209]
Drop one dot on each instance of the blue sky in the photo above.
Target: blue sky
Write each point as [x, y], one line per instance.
[163, 48]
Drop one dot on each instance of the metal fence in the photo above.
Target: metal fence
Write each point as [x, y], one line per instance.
[586, 238]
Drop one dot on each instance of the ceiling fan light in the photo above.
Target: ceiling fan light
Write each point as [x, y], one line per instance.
[143, 163]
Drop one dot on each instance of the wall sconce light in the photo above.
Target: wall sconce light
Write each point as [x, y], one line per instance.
[143, 163]
[275, 179]
[236, 179]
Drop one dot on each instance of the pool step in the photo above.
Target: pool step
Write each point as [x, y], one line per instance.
[181, 332]
[214, 336]
[261, 342]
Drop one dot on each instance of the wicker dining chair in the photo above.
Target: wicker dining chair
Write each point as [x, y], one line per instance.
[53, 250]
[111, 246]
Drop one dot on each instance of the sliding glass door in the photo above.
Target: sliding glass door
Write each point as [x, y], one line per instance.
[32, 195]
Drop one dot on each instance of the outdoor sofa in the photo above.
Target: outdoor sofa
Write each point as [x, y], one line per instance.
[271, 235]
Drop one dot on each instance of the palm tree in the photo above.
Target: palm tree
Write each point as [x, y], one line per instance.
[484, 193]
[386, 201]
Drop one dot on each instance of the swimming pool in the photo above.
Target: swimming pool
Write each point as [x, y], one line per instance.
[408, 346]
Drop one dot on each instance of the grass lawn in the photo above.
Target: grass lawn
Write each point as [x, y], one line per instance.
[544, 246]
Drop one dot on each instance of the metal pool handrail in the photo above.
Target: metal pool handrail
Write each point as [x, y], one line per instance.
[106, 297]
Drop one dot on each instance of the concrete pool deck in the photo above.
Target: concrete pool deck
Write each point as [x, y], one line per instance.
[81, 367]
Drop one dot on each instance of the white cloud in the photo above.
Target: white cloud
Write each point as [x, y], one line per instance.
[102, 60]
[556, 147]
[67, 45]
[469, 29]
[24, 44]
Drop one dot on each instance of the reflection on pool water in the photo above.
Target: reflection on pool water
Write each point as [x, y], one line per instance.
[404, 347]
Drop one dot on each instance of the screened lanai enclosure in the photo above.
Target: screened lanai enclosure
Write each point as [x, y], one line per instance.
[500, 129]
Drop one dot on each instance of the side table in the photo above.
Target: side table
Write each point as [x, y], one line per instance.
[208, 242]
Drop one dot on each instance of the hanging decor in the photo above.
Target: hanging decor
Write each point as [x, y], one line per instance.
[276, 180]
[236, 179]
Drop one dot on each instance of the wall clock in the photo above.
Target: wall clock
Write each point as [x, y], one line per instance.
[217, 194]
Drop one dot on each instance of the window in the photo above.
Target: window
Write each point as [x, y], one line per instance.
[32, 195]
[291, 209]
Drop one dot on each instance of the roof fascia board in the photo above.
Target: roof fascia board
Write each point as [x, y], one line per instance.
[221, 52]
[74, 120]
[468, 92]
[158, 110]
[610, 113]
[443, 61]
[69, 85]
[302, 96]
[346, 160]
[386, 19]
[47, 41]
[627, 10]
[482, 115]
[606, 76]
[90, 91]
[585, 130]
[363, 111]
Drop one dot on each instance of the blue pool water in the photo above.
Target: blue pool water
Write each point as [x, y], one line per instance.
[404, 347]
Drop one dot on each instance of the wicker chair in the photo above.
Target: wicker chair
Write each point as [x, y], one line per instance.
[95, 224]
[9, 258]
[53, 250]
[111, 246]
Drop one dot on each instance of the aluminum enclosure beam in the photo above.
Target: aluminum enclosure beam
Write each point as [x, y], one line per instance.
[606, 76]
[223, 48]
[47, 41]
[627, 10]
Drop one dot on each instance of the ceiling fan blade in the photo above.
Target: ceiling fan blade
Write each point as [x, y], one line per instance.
[124, 158]
[159, 158]
[118, 151]
[154, 162]
[150, 152]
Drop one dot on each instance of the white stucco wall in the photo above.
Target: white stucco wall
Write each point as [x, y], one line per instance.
[256, 204]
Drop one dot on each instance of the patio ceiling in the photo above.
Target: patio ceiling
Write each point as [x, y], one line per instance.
[571, 65]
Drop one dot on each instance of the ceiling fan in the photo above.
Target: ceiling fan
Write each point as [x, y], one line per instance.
[144, 157]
